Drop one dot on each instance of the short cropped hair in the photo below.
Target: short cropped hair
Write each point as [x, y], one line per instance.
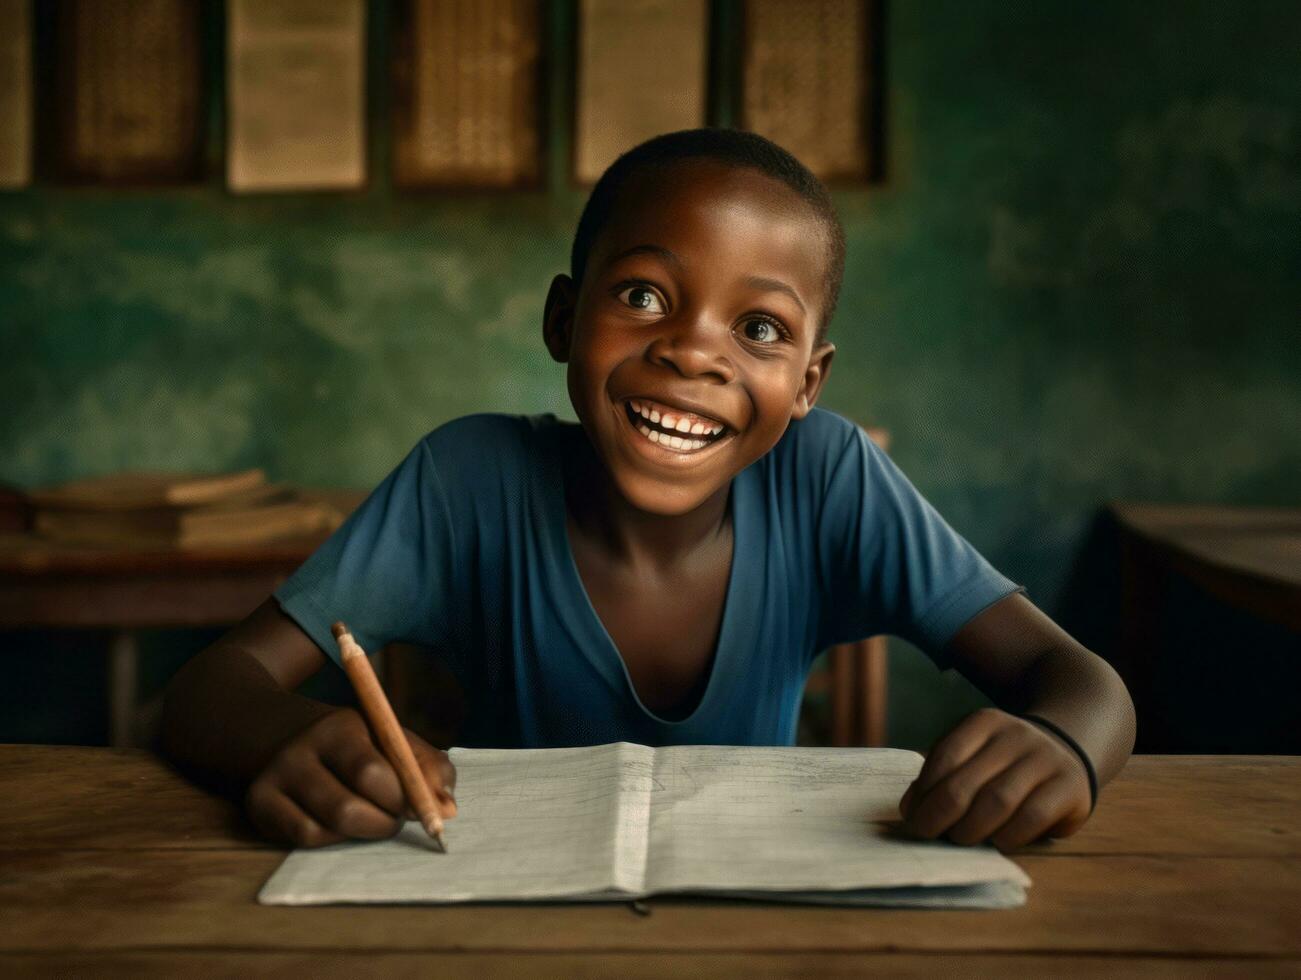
[731, 146]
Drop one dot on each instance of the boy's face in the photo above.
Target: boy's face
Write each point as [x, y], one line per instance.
[700, 300]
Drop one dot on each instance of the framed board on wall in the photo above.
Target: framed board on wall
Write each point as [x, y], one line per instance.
[467, 93]
[296, 95]
[15, 94]
[642, 67]
[127, 91]
[811, 77]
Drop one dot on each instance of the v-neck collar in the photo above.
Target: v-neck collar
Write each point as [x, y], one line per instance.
[585, 625]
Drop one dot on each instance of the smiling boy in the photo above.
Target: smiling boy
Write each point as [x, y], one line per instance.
[666, 570]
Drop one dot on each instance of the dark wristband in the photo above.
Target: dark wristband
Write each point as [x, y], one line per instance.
[1084, 756]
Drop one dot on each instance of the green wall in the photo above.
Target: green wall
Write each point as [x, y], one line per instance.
[1077, 283]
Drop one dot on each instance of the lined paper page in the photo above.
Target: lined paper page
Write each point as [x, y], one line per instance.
[531, 823]
[798, 819]
[618, 821]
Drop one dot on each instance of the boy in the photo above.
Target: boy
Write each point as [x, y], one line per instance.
[666, 570]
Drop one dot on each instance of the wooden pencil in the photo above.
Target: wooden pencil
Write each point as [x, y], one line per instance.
[384, 724]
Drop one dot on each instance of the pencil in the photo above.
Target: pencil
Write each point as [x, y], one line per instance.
[384, 723]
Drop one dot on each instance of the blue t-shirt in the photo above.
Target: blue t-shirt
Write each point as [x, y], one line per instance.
[463, 549]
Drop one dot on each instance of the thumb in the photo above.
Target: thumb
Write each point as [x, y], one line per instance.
[905, 800]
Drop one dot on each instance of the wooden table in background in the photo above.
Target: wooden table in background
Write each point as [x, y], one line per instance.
[114, 864]
[48, 585]
[1248, 558]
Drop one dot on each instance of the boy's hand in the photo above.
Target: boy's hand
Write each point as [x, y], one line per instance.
[1000, 778]
[331, 782]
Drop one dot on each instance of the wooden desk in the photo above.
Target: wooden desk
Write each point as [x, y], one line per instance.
[1248, 558]
[47, 585]
[114, 864]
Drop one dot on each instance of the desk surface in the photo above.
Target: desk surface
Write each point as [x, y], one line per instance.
[114, 864]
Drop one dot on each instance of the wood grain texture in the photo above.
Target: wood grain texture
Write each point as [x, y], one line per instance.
[111, 854]
[132, 800]
[183, 899]
[638, 966]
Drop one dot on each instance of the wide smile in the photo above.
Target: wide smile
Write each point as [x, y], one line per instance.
[667, 434]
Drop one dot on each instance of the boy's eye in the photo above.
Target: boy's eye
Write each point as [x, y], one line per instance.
[762, 330]
[642, 298]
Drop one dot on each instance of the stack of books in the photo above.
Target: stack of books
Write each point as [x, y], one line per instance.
[178, 510]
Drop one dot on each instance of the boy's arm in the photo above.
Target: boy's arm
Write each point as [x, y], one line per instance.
[312, 771]
[999, 777]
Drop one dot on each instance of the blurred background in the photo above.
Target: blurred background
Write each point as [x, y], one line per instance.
[297, 236]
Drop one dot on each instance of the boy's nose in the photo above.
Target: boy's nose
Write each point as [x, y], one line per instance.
[694, 346]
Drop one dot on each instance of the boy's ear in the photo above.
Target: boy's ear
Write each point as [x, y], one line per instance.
[815, 376]
[558, 317]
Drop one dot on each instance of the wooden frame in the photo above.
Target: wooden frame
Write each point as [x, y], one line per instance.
[798, 126]
[127, 88]
[313, 58]
[586, 173]
[520, 37]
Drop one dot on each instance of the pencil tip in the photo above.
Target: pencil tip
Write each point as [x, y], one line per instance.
[438, 839]
[338, 629]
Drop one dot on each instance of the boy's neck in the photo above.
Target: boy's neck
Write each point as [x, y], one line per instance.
[631, 536]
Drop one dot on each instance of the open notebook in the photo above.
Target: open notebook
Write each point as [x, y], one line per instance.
[622, 821]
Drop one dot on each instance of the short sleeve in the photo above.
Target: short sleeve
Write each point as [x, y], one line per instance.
[386, 570]
[889, 562]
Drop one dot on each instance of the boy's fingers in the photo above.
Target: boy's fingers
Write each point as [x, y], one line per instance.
[997, 801]
[440, 774]
[362, 768]
[950, 752]
[278, 818]
[335, 807]
[935, 810]
[1038, 813]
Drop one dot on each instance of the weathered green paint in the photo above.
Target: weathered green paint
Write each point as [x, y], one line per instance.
[1080, 281]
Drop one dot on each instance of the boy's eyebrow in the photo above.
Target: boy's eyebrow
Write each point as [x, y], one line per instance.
[754, 282]
[658, 250]
[759, 282]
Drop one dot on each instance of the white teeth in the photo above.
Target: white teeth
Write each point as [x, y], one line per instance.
[675, 442]
[678, 424]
